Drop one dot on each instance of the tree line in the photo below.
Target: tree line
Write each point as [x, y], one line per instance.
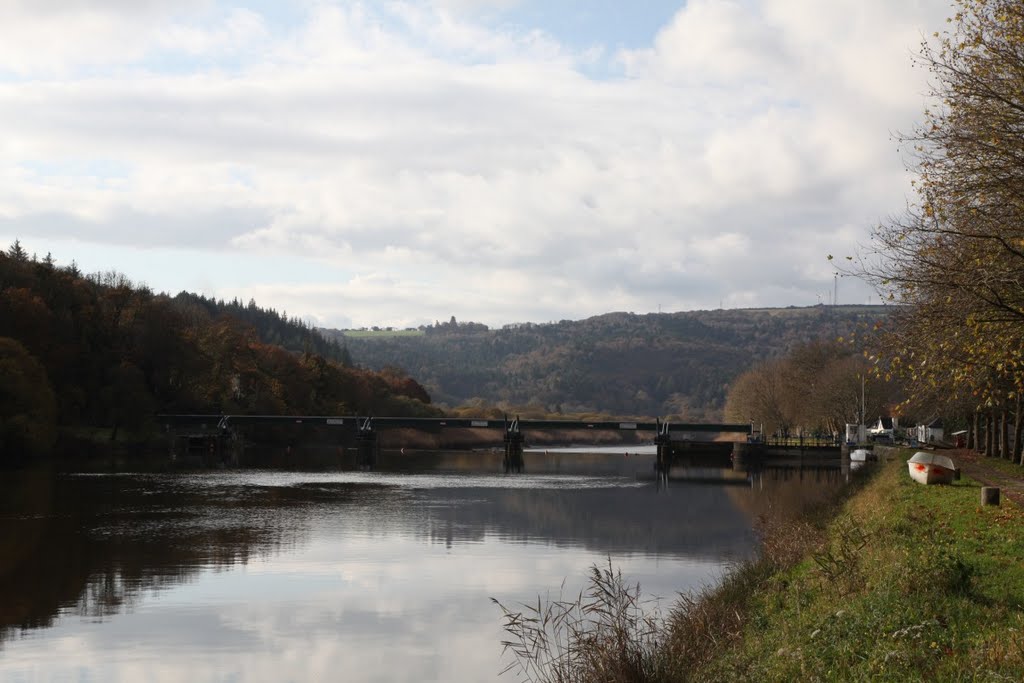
[677, 365]
[954, 258]
[271, 327]
[89, 354]
[953, 347]
[817, 388]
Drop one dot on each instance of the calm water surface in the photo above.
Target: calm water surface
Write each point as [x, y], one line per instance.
[346, 576]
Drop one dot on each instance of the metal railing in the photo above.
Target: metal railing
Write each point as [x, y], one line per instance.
[802, 441]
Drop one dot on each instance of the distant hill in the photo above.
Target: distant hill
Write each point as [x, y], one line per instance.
[94, 355]
[271, 327]
[678, 364]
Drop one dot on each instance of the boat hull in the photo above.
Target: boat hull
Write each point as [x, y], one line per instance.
[930, 473]
[862, 455]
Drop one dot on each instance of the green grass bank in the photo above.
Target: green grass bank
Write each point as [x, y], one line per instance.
[895, 582]
[904, 583]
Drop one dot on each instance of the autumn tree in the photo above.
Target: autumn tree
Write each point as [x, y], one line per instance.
[761, 395]
[819, 386]
[27, 405]
[101, 351]
[954, 258]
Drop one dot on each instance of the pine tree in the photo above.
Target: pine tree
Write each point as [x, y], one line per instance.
[17, 252]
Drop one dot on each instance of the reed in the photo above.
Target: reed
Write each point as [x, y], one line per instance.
[606, 633]
[897, 582]
[609, 634]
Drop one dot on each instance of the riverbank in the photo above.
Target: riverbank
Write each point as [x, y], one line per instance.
[905, 582]
[1008, 476]
[895, 581]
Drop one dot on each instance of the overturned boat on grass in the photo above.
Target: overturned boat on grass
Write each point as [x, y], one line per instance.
[929, 468]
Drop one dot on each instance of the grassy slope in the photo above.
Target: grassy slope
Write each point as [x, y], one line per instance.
[914, 583]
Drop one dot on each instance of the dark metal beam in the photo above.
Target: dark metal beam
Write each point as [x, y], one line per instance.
[436, 423]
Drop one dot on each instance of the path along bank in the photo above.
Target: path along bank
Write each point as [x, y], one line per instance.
[899, 582]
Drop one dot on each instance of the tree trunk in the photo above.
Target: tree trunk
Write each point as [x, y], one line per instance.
[997, 444]
[1018, 428]
[989, 433]
[1004, 434]
[972, 430]
[979, 429]
[979, 433]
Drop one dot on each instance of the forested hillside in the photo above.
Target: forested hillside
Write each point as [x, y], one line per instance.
[82, 353]
[270, 326]
[678, 364]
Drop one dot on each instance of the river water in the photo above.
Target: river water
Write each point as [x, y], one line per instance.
[267, 575]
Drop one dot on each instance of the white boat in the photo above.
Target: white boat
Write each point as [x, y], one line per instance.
[929, 468]
[861, 455]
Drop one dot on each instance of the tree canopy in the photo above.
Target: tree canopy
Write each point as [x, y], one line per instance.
[954, 258]
[676, 365]
[818, 387]
[27, 405]
[103, 352]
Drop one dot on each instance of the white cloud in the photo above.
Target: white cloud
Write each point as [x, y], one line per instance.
[55, 37]
[476, 5]
[449, 167]
[240, 30]
[716, 43]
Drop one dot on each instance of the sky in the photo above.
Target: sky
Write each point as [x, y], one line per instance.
[399, 162]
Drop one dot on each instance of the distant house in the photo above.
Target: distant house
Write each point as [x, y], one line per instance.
[931, 432]
[884, 429]
[856, 433]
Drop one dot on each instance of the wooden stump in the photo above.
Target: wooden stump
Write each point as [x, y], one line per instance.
[990, 495]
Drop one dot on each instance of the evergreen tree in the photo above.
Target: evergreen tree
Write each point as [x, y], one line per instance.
[17, 252]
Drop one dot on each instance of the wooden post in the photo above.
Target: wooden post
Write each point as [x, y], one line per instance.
[990, 495]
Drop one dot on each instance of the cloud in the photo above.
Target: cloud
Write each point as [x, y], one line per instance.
[48, 37]
[429, 154]
[476, 5]
[714, 42]
[241, 30]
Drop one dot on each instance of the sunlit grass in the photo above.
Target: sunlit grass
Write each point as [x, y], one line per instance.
[901, 582]
[932, 589]
[1007, 467]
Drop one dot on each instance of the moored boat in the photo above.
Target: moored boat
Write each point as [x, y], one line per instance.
[862, 455]
[929, 468]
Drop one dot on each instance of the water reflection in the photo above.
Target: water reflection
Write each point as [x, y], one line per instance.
[269, 575]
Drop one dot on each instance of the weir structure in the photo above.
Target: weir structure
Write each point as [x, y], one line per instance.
[223, 435]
